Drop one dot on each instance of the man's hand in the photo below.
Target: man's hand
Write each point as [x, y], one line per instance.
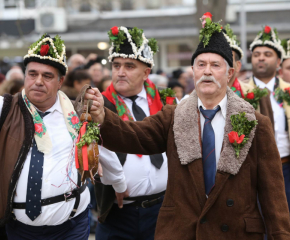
[97, 110]
[120, 197]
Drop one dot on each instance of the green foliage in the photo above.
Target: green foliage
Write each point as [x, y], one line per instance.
[231, 34]
[92, 134]
[136, 34]
[208, 30]
[284, 44]
[153, 45]
[57, 41]
[259, 93]
[281, 95]
[167, 92]
[117, 40]
[242, 125]
[268, 36]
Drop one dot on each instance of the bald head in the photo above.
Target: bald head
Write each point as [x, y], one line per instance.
[75, 61]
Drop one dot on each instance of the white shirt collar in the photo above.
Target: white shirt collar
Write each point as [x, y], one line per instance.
[56, 106]
[222, 104]
[270, 85]
[141, 94]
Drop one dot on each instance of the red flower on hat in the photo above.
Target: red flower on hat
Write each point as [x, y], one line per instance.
[204, 17]
[250, 95]
[234, 137]
[267, 29]
[115, 30]
[44, 50]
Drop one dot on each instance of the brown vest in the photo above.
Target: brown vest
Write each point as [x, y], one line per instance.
[16, 135]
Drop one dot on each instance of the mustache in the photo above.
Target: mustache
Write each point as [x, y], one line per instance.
[208, 78]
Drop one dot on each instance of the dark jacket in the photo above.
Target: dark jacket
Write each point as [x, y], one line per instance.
[231, 210]
[16, 135]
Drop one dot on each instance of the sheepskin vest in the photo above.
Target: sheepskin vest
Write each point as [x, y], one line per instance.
[16, 135]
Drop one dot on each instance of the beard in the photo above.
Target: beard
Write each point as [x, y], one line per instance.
[208, 79]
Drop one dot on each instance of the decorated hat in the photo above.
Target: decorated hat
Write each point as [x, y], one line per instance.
[232, 40]
[286, 46]
[212, 40]
[47, 50]
[268, 37]
[131, 43]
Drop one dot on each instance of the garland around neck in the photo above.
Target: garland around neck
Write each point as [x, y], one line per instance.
[137, 52]
[233, 44]
[276, 44]
[60, 59]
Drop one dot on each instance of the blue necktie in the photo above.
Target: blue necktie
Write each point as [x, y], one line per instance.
[208, 149]
[34, 183]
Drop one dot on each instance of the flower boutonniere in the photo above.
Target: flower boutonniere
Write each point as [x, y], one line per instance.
[281, 96]
[242, 128]
[254, 97]
[167, 96]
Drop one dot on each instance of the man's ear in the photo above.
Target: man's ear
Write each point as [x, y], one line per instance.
[61, 80]
[239, 66]
[231, 73]
[147, 72]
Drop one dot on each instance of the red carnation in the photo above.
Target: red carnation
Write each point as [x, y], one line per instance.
[250, 95]
[74, 120]
[267, 29]
[234, 137]
[208, 15]
[44, 50]
[38, 127]
[170, 100]
[115, 30]
[204, 17]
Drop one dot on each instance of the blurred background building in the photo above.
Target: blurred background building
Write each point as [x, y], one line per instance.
[83, 24]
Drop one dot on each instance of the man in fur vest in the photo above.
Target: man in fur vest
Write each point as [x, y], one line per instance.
[267, 54]
[132, 96]
[221, 154]
[41, 193]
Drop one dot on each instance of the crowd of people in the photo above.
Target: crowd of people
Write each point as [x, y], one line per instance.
[214, 163]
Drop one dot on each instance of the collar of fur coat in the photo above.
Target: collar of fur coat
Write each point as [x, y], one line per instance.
[186, 132]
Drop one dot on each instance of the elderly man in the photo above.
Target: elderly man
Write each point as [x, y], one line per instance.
[41, 194]
[218, 159]
[284, 71]
[132, 96]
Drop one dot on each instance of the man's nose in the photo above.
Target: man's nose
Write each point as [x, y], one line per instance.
[121, 71]
[207, 70]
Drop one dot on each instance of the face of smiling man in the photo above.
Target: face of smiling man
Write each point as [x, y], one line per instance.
[128, 76]
[211, 76]
[41, 85]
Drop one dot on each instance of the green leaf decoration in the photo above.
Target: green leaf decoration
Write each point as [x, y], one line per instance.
[117, 40]
[57, 43]
[231, 34]
[208, 30]
[285, 45]
[167, 92]
[281, 95]
[92, 134]
[136, 34]
[152, 43]
[258, 93]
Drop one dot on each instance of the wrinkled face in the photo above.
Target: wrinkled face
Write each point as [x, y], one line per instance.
[210, 75]
[128, 76]
[41, 84]
[265, 61]
[96, 72]
[285, 70]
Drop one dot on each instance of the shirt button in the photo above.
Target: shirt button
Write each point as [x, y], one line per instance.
[225, 228]
[230, 202]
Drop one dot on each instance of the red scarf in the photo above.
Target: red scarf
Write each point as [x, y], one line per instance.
[124, 113]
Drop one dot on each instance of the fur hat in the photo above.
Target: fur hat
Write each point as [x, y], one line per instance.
[47, 50]
[268, 37]
[232, 40]
[212, 40]
[131, 43]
